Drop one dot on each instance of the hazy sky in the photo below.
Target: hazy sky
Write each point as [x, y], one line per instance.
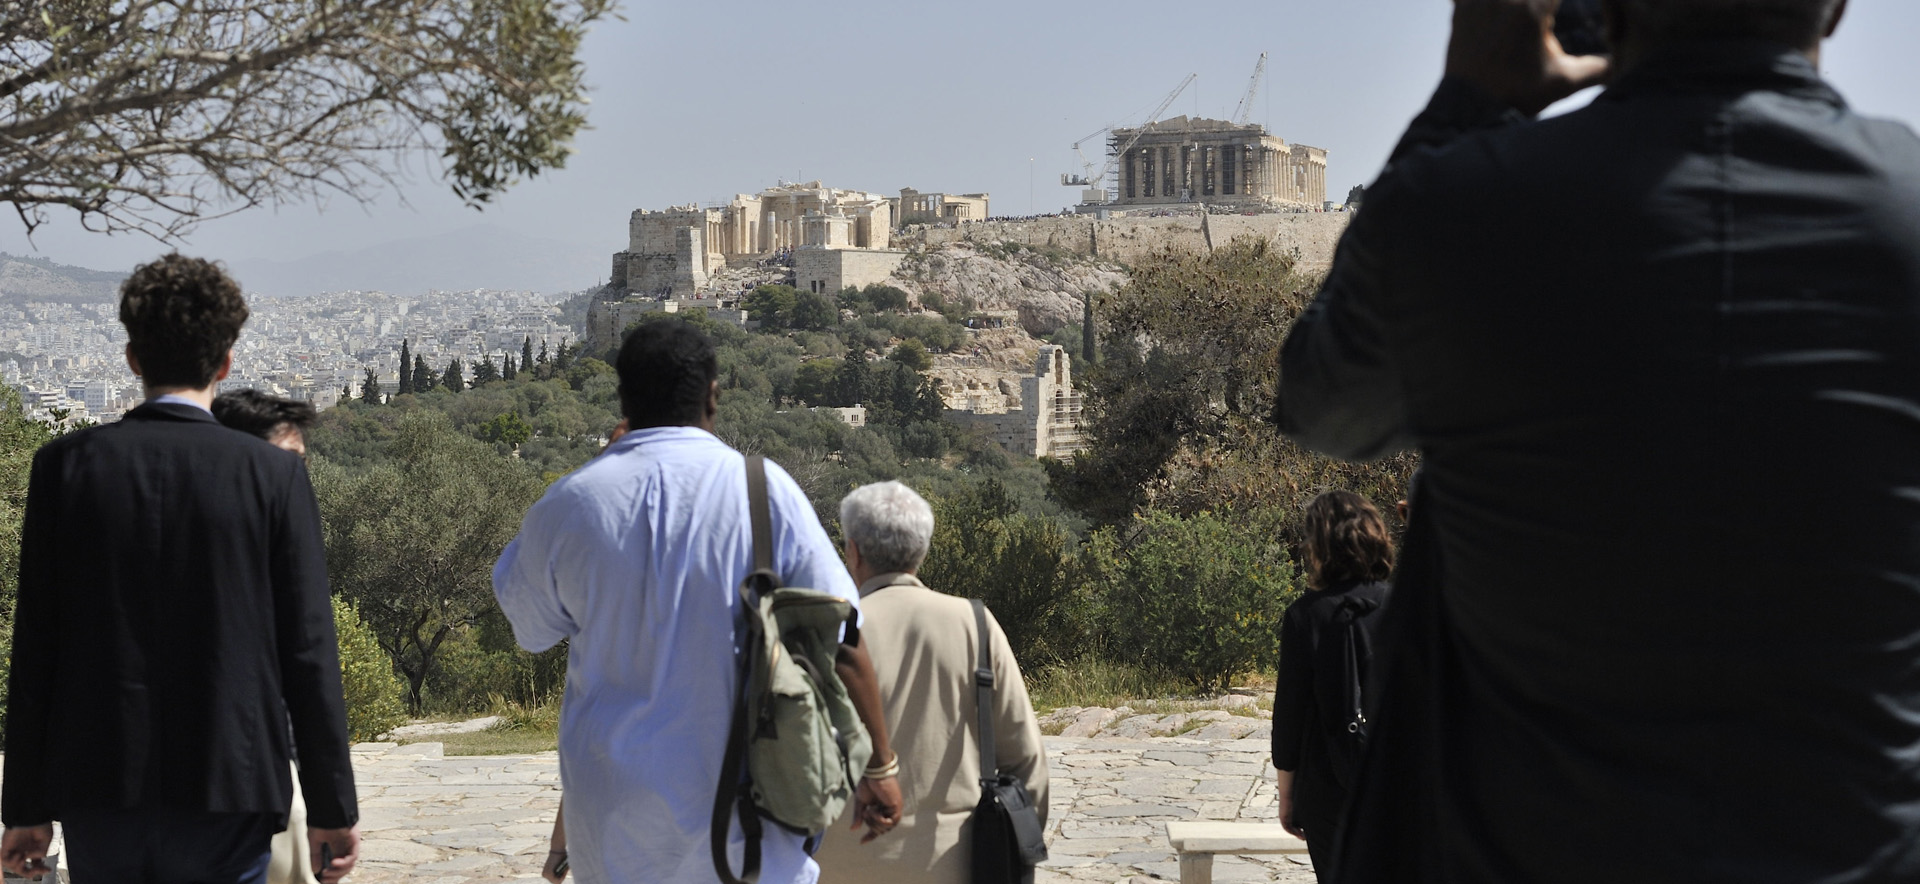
[696, 101]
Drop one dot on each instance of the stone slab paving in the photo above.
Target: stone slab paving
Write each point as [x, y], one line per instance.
[478, 820]
[431, 819]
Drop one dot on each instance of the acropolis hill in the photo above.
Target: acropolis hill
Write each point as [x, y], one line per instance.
[1025, 279]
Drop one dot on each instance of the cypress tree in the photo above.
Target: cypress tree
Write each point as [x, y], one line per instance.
[507, 369]
[485, 373]
[1088, 353]
[406, 368]
[453, 378]
[526, 353]
[370, 388]
[423, 377]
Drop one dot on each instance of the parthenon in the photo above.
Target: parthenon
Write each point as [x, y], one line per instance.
[1192, 160]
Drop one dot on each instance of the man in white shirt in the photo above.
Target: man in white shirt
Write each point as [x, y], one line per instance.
[635, 558]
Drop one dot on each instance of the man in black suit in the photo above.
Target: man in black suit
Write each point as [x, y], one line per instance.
[1660, 610]
[173, 617]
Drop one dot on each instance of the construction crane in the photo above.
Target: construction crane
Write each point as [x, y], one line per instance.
[1087, 167]
[1095, 182]
[1244, 112]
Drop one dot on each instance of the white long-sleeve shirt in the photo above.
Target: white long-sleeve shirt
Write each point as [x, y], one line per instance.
[636, 557]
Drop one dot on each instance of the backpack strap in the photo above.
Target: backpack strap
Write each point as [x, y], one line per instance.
[983, 697]
[762, 517]
[1355, 609]
[735, 791]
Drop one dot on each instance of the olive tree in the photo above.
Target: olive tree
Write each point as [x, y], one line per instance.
[411, 540]
[151, 115]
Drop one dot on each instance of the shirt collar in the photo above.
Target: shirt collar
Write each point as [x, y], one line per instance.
[897, 578]
[660, 434]
[177, 399]
[1726, 66]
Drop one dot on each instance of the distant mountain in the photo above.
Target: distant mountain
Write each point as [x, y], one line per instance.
[484, 256]
[24, 278]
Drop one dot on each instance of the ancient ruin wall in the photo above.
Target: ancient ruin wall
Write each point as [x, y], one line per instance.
[1127, 240]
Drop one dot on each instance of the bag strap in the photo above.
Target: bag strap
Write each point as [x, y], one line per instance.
[1355, 609]
[735, 791]
[761, 517]
[983, 696]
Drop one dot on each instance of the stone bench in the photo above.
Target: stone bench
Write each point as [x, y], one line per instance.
[1198, 843]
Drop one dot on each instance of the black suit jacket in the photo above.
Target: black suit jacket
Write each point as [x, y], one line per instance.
[1662, 356]
[173, 614]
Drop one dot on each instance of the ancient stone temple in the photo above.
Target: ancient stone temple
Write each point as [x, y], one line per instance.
[1215, 162]
[675, 251]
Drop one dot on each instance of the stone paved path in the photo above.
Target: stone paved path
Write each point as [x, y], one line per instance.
[429, 819]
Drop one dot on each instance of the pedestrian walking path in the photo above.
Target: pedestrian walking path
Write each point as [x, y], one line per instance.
[430, 819]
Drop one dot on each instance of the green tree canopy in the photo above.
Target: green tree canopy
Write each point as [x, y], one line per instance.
[912, 354]
[1177, 410]
[486, 372]
[151, 115]
[772, 306]
[411, 540]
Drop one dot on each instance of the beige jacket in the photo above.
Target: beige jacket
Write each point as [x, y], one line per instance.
[923, 645]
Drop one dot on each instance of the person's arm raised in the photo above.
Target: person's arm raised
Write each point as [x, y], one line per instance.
[1506, 48]
[1340, 392]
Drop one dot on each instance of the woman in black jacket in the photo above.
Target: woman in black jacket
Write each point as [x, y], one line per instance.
[1325, 649]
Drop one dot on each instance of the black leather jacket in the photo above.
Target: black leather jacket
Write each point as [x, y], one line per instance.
[1662, 357]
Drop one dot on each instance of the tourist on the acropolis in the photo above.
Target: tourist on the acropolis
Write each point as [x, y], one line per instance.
[925, 645]
[1326, 639]
[1657, 617]
[636, 559]
[152, 690]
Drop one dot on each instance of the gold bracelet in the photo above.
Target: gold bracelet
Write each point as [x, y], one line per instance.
[890, 769]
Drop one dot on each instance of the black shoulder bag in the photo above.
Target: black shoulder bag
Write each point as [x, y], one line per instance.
[1007, 839]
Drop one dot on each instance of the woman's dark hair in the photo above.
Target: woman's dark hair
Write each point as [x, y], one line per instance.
[261, 414]
[666, 369]
[1347, 541]
[182, 316]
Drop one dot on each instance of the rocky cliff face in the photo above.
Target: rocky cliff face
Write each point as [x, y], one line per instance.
[1041, 291]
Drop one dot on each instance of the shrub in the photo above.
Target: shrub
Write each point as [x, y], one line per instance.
[1198, 597]
[1019, 564]
[375, 697]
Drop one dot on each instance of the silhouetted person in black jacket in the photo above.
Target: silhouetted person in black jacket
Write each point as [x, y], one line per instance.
[1658, 617]
[173, 616]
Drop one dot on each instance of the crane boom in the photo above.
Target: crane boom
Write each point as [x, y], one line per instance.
[1141, 130]
[1242, 113]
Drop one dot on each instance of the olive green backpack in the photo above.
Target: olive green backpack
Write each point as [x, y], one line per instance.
[794, 727]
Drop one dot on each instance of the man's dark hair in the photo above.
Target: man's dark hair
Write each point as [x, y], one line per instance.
[182, 316]
[1347, 541]
[262, 414]
[1797, 23]
[666, 368]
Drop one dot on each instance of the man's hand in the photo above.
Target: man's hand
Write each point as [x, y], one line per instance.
[1507, 48]
[1284, 779]
[24, 850]
[876, 803]
[345, 848]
